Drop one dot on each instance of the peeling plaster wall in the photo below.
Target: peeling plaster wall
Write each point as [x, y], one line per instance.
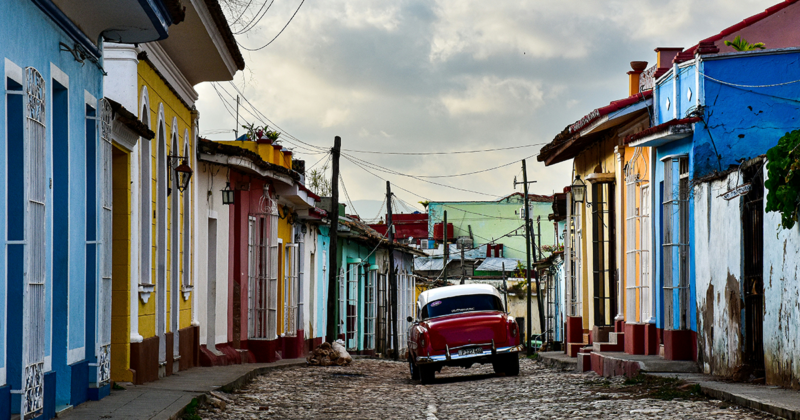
[782, 302]
[718, 272]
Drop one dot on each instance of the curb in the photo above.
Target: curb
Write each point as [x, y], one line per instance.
[563, 365]
[238, 383]
[749, 402]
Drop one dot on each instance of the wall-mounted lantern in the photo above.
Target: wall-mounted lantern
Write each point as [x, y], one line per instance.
[227, 195]
[578, 190]
[183, 173]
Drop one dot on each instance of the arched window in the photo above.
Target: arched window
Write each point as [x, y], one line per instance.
[186, 232]
[146, 187]
[161, 235]
[174, 241]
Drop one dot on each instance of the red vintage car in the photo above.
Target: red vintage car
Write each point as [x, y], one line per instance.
[460, 326]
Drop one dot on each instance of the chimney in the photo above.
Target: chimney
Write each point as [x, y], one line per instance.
[633, 76]
[665, 56]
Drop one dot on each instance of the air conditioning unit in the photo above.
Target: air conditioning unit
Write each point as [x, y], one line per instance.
[423, 243]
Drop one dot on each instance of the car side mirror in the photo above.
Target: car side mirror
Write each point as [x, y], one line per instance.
[409, 319]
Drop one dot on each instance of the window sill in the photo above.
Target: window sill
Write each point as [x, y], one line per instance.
[187, 291]
[145, 290]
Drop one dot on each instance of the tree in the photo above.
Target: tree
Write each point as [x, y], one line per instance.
[319, 183]
[740, 44]
[783, 182]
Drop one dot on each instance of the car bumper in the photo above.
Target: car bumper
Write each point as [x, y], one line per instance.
[439, 358]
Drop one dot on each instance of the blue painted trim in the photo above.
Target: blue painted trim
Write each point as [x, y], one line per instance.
[97, 394]
[67, 26]
[49, 411]
[157, 11]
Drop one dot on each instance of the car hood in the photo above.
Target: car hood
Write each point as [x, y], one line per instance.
[467, 328]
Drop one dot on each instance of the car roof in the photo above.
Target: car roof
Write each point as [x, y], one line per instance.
[458, 290]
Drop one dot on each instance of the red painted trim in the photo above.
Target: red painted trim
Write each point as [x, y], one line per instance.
[659, 128]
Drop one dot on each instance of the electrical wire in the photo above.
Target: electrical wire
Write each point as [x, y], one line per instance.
[453, 175]
[255, 19]
[244, 10]
[372, 166]
[347, 196]
[279, 33]
[444, 153]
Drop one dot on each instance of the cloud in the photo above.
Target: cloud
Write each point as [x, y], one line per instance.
[444, 75]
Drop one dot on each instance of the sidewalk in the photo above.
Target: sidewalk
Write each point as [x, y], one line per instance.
[166, 398]
[770, 399]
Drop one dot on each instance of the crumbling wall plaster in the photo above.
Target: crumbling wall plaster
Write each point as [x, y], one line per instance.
[718, 255]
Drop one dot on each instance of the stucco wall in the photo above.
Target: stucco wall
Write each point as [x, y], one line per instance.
[781, 302]
[211, 180]
[718, 274]
[490, 220]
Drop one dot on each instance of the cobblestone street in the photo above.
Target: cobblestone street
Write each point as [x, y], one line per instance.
[376, 389]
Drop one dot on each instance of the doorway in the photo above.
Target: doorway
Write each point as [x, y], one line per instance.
[753, 227]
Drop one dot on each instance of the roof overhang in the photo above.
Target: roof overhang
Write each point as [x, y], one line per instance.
[203, 35]
[593, 126]
[294, 194]
[248, 166]
[663, 133]
[123, 21]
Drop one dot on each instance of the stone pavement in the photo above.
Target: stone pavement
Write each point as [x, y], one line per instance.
[166, 398]
[770, 399]
[784, 403]
[383, 389]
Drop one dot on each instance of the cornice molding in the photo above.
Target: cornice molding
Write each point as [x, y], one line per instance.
[170, 72]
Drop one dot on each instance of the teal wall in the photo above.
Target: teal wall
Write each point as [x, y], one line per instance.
[491, 220]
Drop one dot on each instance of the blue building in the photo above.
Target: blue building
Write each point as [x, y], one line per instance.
[714, 112]
[54, 340]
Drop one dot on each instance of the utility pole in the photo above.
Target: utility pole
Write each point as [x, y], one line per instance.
[539, 296]
[236, 129]
[446, 248]
[333, 270]
[392, 274]
[528, 326]
[463, 269]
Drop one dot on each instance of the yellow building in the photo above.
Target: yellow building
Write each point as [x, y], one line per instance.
[603, 237]
[154, 329]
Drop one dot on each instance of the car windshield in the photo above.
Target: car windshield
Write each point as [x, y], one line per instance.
[461, 304]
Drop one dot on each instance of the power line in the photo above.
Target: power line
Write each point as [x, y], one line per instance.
[454, 175]
[382, 169]
[279, 33]
[444, 153]
[250, 24]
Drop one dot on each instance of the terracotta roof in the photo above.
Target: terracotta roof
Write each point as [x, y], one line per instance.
[213, 148]
[741, 25]
[225, 30]
[659, 128]
[126, 117]
[366, 233]
[571, 131]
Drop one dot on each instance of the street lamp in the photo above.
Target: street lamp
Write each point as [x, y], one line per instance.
[578, 190]
[183, 173]
[227, 194]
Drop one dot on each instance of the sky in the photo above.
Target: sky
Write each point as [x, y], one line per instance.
[444, 76]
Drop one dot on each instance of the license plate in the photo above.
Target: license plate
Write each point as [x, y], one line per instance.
[470, 350]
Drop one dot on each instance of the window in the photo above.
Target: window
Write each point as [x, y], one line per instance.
[370, 309]
[290, 290]
[461, 304]
[34, 155]
[103, 351]
[603, 249]
[675, 246]
[263, 273]
[637, 241]
[146, 197]
[186, 232]
[351, 334]
[573, 254]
